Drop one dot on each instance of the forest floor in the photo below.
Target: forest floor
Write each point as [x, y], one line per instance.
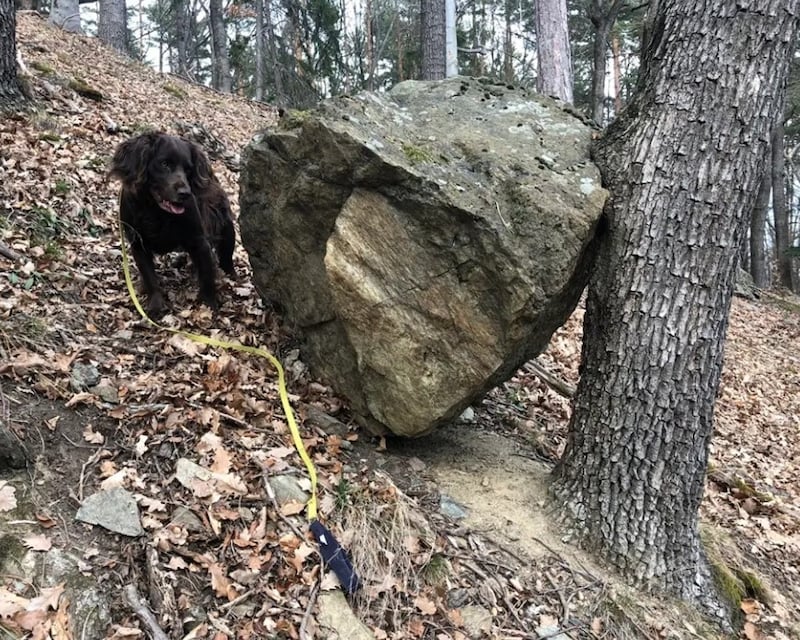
[450, 534]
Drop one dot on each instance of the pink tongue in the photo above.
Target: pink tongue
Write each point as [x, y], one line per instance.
[166, 205]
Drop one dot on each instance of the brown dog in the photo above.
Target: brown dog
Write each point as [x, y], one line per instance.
[171, 201]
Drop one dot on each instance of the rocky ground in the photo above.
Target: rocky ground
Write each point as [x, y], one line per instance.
[450, 534]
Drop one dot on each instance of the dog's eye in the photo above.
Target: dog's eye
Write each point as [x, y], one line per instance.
[164, 164]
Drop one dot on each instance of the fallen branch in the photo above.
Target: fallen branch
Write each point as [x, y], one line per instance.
[8, 252]
[139, 608]
[554, 382]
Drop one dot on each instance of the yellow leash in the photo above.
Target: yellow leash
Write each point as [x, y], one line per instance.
[311, 505]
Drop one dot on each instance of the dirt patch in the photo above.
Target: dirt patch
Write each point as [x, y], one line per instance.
[497, 480]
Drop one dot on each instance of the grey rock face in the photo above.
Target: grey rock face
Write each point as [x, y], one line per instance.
[424, 242]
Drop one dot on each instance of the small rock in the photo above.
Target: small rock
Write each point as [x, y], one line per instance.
[83, 376]
[186, 472]
[106, 392]
[468, 415]
[477, 620]
[187, 519]
[451, 508]
[551, 632]
[336, 616]
[287, 489]
[115, 510]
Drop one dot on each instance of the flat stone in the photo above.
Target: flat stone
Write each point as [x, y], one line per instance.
[115, 510]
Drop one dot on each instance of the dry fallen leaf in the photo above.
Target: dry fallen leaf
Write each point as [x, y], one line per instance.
[37, 542]
[7, 500]
[425, 605]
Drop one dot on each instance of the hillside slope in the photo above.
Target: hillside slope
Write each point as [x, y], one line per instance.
[226, 555]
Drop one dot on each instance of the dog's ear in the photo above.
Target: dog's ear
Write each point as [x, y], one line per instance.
[130, 160]
[201, 169]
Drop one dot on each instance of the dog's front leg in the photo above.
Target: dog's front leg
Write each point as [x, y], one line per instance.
[203, 260]
[156, 301]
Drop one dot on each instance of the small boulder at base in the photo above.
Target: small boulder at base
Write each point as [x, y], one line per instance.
[425, 242]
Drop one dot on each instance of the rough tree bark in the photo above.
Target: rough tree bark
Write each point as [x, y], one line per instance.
[758, 228]
[682, 164]
[602, 14]
[432, 23]
[219, 45]
[780, 212]
[260, 48]
[182, 35]
[112, 24]
[554, 76]
[11, 95]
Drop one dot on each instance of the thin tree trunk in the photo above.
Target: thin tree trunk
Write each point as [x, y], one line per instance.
[508, 46]
[11, 95]
[182, 34]
[602, 14]
[758, 229]
[259, 51]
[450, 40]
[616, 57]
[552, 46]
[432, 20]
[277, 76]
[779, 210]
[112, 24]
[369, 35]
[219, 45]
[683, 179]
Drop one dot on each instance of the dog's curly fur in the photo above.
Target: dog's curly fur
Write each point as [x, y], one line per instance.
[171, 201]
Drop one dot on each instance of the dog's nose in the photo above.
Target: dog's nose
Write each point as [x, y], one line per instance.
[183, 192]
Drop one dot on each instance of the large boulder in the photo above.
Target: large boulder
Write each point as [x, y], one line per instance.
[425, 243]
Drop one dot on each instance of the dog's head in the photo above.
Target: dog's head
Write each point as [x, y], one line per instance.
[172, 170]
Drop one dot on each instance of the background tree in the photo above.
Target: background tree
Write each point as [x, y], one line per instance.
[10, 91]
[683, 179]
[552, 40]
[758, 227]
[432, 37]
[780, 211]
[66, 14]
[602, 14]
[112, 24]
[221, 76]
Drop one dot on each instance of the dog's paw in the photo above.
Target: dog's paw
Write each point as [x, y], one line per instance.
[210, 300]
[157, 305]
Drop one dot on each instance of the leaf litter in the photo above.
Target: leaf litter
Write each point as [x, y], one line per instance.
[196, 432]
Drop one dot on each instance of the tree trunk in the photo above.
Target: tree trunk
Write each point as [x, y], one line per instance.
[277, 71]
[552, 46]
[758, 229]
[682, 164]
[10, 91]
[369, 41]
[182, 34]
[432, 20]
[112, 24]
[66, 14]
[779, 209]
[450, 39]
[219, 45]
[602, 14]
[259, 51]
[616, 56]
[508, 46]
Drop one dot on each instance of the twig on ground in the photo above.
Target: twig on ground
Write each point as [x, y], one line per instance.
[551, 380]
[8, 252]
[312, 599]
[562, 598]
[135, 602]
